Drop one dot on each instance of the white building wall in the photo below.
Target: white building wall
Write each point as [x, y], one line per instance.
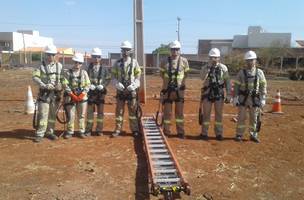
[260, 40]
[240, 41]
[16, 40]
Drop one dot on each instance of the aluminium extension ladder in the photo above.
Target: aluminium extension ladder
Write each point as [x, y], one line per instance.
[164, 172]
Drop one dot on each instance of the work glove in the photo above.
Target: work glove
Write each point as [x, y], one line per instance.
[236, 101]
[92, 87]
[58, 87]
[228, 99]
[131, 88]
[50, 86]
[73, 97]
[119, 86]
[81, 96]
[99, 87]
[263, 101]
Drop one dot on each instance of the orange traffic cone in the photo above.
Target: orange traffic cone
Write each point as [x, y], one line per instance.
[29, 104]
[276, 107]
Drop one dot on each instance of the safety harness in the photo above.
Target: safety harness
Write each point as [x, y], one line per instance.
[126, 95]
[253, 93]
[172, 84]
[45, 93]
[216, 90]
[95, 96]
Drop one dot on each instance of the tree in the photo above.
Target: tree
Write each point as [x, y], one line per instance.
[162, 50]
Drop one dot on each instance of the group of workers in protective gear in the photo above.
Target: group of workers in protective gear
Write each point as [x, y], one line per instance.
[84, 93]
[249, 93]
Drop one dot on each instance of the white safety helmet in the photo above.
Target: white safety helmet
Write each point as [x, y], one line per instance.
[96, 52]
[175, 45]
[126, 45]
[214, 52]
[249, 55]
[78, 57]
[50, 49]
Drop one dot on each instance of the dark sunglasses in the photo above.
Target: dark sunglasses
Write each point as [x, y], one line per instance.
[174, 49]
[50, 54]
[77, 62]
[96, 56]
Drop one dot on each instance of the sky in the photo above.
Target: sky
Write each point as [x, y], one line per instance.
[84, 24]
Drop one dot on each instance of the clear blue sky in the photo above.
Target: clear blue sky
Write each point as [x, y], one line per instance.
[84, 24]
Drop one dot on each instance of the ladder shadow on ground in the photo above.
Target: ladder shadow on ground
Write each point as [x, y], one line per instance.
[142, 178]
[22, 134]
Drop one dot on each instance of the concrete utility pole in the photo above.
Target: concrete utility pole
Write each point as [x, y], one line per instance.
[178, 28]
[139, 45]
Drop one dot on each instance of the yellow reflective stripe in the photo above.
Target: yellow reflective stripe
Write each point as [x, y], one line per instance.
[167, 121]
[187, 69]
[249, 84]
[206, 123]
[114, 71]
[90, 121]
[51, 121]
[179, 120]
[237, 82]
[225, 76]
[180, 76]
[65, 81]
[119, 119]
[241, 126]
[218, 124]
[162, 69]
[99, 120]
[262, 82]
[36, 73]
[43, 123]
[132, 117]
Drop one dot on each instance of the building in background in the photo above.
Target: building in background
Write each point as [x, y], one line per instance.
[256, 38]
[18, 41]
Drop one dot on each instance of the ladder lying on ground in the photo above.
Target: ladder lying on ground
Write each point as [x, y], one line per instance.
[165, 174]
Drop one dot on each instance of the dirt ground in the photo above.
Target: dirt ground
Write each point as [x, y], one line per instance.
[107, 168]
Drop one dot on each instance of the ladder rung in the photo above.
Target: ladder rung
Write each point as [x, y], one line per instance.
[155, 141]
[166, 171]
[159, 151]
[154, 133]
[167, 180]
[154, 137]
[163, 163]
[156, 145]
[161, 156]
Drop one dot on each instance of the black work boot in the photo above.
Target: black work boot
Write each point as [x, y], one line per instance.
[51, 136]
[88, 133]
[67, 136]
[254, 137]
[38, 139]
[219, 137]
[204, 137]
[135, 133]
[82, 135]
[99, 133]
[238, 138]
[116, 133]
[181, 135]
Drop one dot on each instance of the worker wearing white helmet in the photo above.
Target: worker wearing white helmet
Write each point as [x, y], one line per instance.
[100, 78]
[250, 88]
[76, 84]
[126, 79]
[216, 83]
[174, 72]
[49, 77]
